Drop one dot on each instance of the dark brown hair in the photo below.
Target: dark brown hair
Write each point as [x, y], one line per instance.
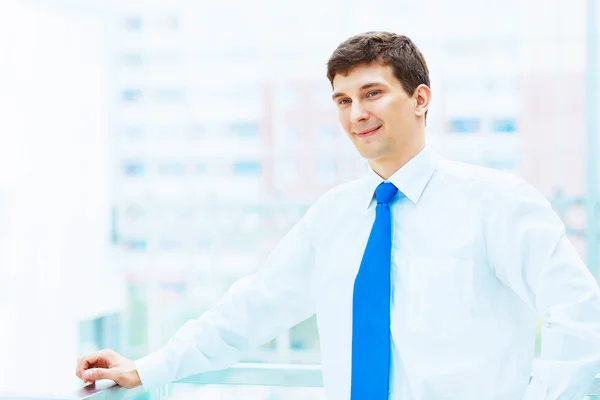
[386, 48]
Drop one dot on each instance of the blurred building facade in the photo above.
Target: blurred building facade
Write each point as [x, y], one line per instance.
[219, 130]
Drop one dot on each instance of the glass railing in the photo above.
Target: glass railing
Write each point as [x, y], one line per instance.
[243, 381]
[251, 382]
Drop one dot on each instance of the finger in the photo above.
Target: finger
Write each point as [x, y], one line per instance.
[81, 367]
[89, 360]
[77, 368]
[93, 374]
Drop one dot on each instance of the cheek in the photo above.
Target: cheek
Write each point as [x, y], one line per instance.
[391, 110]
[378, 112]
[344, 119]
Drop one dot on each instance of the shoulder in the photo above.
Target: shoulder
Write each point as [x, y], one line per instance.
[335, 205]
[499, 191]
[339, 196]
[471, 175]
[486, 182]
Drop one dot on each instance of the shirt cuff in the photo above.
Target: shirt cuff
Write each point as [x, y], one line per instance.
[153, 371]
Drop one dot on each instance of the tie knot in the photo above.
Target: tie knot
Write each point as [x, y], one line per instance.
[385, 192]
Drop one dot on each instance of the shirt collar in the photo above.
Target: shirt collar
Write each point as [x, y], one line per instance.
[411, 179]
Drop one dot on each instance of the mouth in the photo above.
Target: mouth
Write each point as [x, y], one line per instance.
[368, 132]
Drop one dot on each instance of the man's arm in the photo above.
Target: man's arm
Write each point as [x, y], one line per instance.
[254, 310]
[529, 250]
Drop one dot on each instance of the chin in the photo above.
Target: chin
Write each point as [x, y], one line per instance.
[368, 152]
[371, 150]
[370, 156]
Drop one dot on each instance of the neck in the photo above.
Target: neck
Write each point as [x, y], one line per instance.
[387, 166]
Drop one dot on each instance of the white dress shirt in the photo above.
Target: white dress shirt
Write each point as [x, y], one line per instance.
[477, 254]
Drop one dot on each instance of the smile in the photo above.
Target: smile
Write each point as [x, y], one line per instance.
[368, 132]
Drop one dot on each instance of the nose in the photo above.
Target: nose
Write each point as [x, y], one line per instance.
[358, 113]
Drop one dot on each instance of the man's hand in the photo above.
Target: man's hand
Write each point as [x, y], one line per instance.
[107, 364]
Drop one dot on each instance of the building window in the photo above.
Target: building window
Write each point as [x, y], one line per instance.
[248, 130]
[133, 23]
[136, 244]
[165, 57]
[171, 244]
[133, 131]
[464, 125]
[131, 95]
[505, 125]
[135, 212]
[169, 23]
[170, 169]
[246, 168]
[133, 169]
[164, 131]
[131, 59]
[173, 95]
[200, 169]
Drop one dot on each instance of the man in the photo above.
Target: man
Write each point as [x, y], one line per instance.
[426, 275]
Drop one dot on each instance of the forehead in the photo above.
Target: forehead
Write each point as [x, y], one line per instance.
[362, 75]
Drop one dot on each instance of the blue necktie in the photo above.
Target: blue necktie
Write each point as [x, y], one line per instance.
[371, 306]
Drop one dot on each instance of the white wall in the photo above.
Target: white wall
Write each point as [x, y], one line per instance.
[55, 266]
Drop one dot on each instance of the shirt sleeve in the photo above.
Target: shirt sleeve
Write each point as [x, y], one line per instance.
[531, 254]
[253, 311]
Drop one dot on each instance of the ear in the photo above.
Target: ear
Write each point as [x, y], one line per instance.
[422, 97]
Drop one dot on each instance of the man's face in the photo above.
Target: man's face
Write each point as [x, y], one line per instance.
[375, 111]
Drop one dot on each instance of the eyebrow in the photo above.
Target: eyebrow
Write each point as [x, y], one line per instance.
[363, 87]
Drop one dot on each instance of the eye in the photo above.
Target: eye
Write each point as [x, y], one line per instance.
[344, 101]
[373, 93]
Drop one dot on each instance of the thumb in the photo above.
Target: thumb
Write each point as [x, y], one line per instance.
[94, 374]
